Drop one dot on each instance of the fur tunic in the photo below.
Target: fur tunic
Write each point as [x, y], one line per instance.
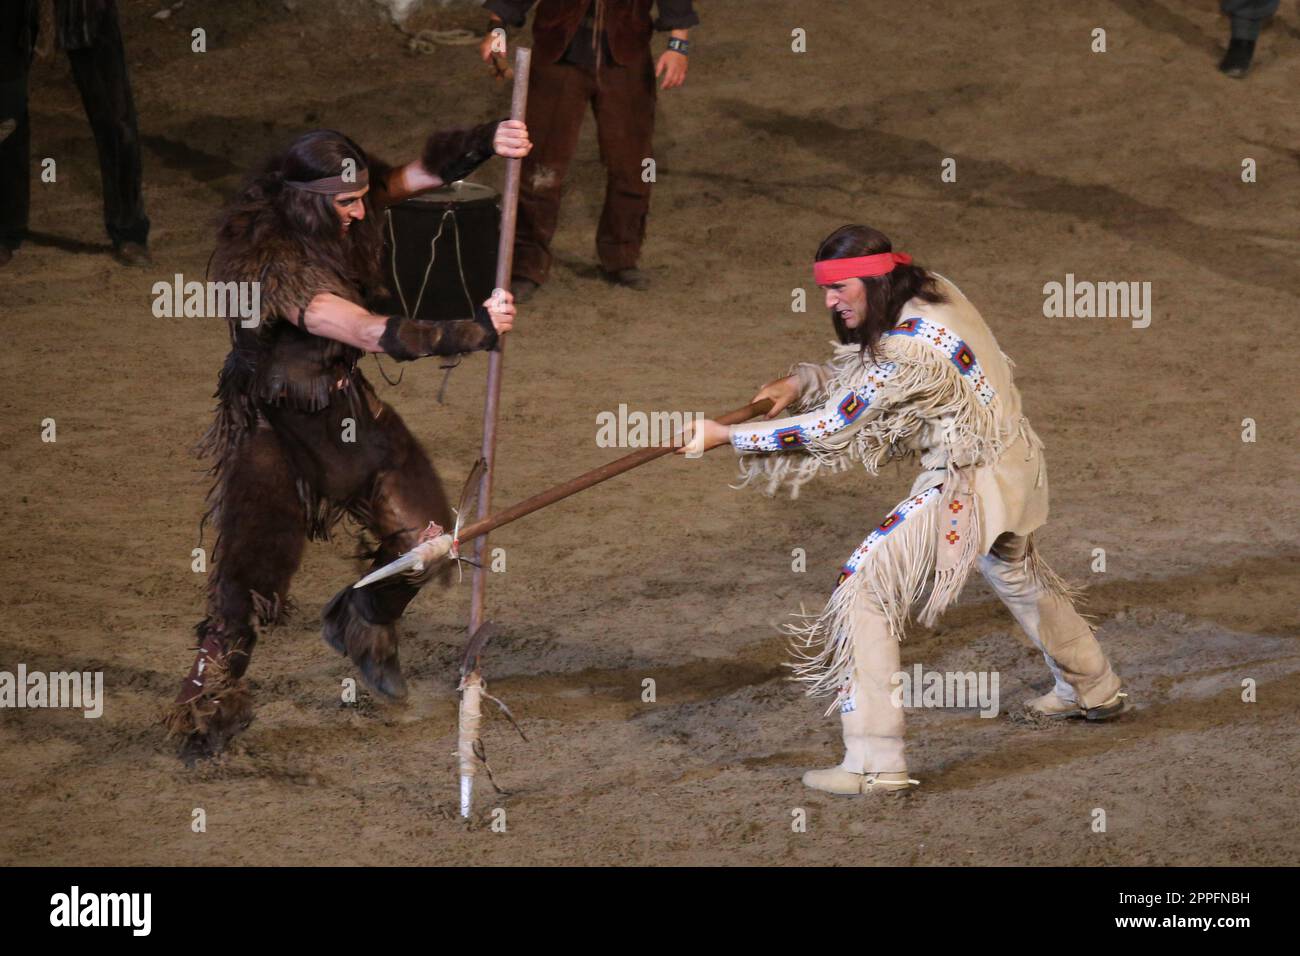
[304, 386]
[279, 375]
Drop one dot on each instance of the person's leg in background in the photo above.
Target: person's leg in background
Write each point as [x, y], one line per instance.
[101, 75]
[557, 102]
[625, 120]
[17, 37]
[1247, 18]
[1086, 686]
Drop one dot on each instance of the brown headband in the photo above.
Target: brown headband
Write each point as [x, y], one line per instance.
[332, 184]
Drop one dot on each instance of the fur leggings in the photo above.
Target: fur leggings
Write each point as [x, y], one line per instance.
[266, 509]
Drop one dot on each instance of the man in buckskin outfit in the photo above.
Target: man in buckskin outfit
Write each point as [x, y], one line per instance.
[300, 439]
[918, 375]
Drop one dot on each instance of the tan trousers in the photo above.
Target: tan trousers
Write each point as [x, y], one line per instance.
[873, 725]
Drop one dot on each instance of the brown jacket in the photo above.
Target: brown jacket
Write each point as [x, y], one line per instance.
[628, 23]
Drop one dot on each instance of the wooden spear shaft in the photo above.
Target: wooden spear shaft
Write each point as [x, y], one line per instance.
[471, 684]
[586, 480]
[505, 263]
[440, 546]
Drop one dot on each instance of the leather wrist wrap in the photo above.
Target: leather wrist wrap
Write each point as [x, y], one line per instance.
[454, 154]
[409, 339]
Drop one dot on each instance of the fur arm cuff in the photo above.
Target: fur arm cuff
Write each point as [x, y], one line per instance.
[454, 154]
[407, 339]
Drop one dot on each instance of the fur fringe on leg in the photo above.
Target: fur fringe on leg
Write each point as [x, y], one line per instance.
[372, 647]
[205, 724]
[345, 630]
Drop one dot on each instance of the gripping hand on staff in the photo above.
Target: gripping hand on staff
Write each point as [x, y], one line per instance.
[782, 392]
[333, 317]
[699, 436]
[511, 139]
[501, 309]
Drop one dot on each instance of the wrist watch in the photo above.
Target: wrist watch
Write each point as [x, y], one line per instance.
[679, 45]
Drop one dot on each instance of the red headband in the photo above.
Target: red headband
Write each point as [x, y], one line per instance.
[837, 270]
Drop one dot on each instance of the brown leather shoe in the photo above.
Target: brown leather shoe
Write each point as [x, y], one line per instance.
[628, 278]
[523, 289]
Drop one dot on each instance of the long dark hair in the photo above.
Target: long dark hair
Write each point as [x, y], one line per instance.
[310, 217]
[886, 295]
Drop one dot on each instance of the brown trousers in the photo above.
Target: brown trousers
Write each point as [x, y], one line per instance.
[624, 105]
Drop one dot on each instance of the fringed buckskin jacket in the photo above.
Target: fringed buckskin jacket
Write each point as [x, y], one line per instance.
[942, 392]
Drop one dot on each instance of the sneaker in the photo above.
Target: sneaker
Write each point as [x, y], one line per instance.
[841, 781]
[628, 278]
[1236, 62]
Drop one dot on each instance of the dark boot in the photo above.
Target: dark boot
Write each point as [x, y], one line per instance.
[347, 625]
[133, 255]
[1236, 62]
[631, 278]
[523, 290]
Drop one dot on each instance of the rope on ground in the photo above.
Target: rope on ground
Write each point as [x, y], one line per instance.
[426, 41]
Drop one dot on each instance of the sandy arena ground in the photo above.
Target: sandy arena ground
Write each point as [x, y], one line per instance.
[1116, 166]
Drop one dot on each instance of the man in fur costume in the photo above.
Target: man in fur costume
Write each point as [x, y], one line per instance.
[917, 374]
[300, 439]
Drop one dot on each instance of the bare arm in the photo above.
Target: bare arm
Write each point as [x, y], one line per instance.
[334, 317]
[403, 182]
